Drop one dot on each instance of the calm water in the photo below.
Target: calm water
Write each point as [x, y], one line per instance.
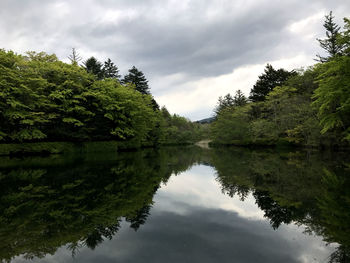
[176, 205]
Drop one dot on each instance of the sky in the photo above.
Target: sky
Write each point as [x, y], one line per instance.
[191, 51]
[192, 220]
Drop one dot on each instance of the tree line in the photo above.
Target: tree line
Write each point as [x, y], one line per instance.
[45, 99]
[301, 187]
[303, 107]
[39, 213]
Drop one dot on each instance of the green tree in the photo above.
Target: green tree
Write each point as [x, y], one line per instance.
[137, 78]
[332, 97]
[24, 105]
[155, 105]
[239, 99]
[223, 103]
[110, 70]
[42, 98]
[330, 44]
[268, 81]
[93, 66]
[231, 126]
[344, 38]
[175, 129]
[122, 112]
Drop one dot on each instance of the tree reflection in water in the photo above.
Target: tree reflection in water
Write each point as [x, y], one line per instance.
[306, 188]
[80, 200]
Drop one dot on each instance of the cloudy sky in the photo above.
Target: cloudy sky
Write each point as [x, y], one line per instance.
[191, 51]
[192, 220]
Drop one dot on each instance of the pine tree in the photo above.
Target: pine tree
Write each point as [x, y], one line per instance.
[137, 78]
[330, 44]
[268, 81]
[224, 103]
[155, 105]
[93, 66]
[110, 70]
[239, 99]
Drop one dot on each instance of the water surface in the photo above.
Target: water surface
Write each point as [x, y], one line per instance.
[178, 204]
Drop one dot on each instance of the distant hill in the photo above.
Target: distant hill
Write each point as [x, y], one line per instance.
[207, 120]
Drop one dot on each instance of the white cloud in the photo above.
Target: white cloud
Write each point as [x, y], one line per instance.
[204, 93]
[198, 188]
[307, 26]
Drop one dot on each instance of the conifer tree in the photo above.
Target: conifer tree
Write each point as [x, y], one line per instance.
[268, 81]
[239, 99]
[331, 43]
[110, 70]
[137, 78]
[93, 66]
[224, 102]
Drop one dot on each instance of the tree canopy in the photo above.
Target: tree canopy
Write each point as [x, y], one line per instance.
[93, 66]
[303, 107]
[331, 43]
[239, 99]
[267, 81]
[137, 78]
[44, 99]
[110, 70]
[223, 103]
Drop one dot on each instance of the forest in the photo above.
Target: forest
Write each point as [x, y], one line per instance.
[248, 161]
[43, 99]
[304, 107]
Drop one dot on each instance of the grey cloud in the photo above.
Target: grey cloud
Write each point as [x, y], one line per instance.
[194, 38]
[204, 235]
[198, 46]
[208, 49]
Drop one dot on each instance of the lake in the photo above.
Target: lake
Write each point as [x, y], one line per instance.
[176, 204]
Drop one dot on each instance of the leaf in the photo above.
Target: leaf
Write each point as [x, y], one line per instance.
[73, 121]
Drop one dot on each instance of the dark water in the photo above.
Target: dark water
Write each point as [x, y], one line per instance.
[176, 205]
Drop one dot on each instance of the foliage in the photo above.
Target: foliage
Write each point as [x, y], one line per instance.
[264, 130]
[137, 78]
[224, 102]
[227, 102]
[331, 44]
[44, 99]
[287, 188]
[179, 130]
[239, 99]
[344, 37]
[267, 81]
[286, 114]
[79, 200]
[335, 195]
[303, 107]
[231, 126]
[93, 66]
[332, 97]
[110, 70]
